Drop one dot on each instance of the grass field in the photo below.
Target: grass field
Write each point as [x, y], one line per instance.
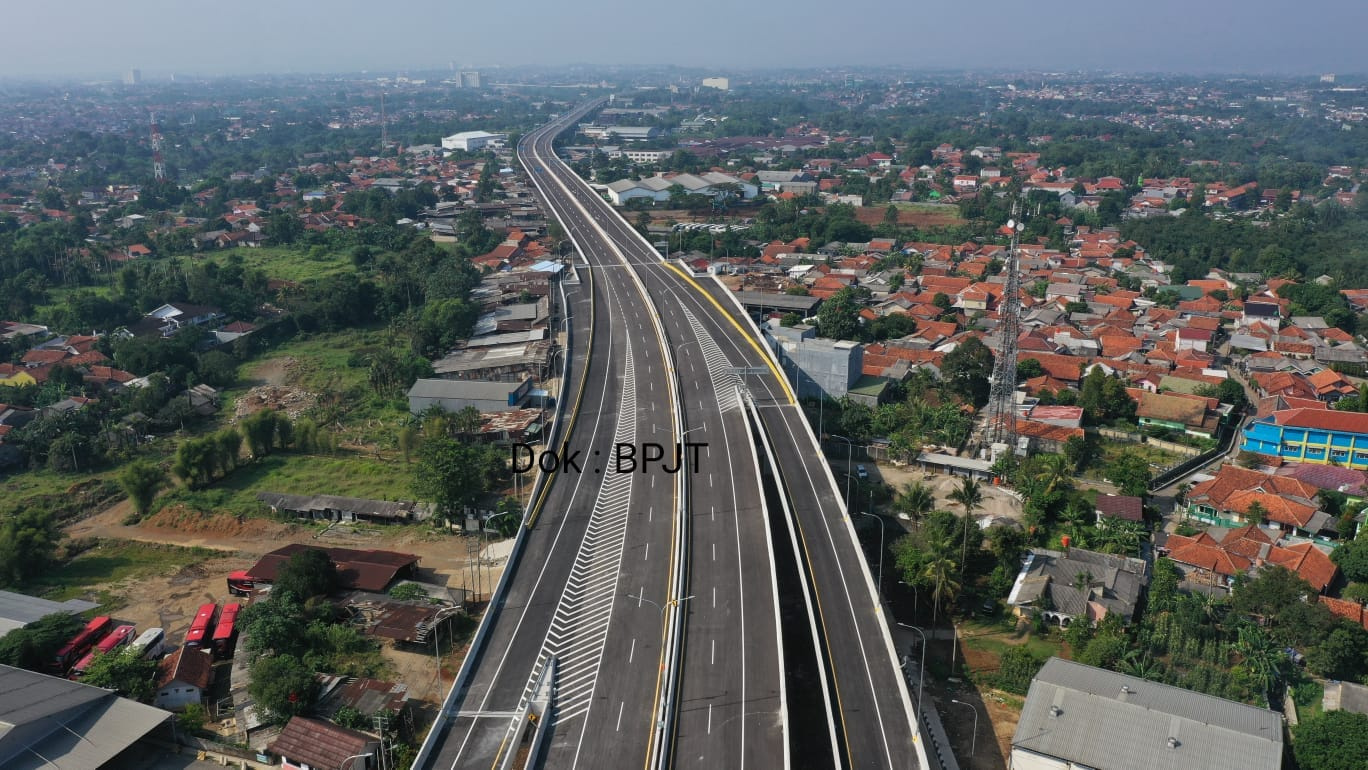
[112, 561]
[348, 474]
[1111, 450]
[284, 263]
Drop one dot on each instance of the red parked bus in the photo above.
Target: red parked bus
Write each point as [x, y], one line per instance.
[239, 584]
[117, 638]
[80, 644]
[203, 626]
[225, 633]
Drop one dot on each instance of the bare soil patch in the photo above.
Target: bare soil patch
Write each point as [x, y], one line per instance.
[287, 399]
[280, 370]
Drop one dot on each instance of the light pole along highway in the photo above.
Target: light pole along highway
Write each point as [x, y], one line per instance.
[874, 708]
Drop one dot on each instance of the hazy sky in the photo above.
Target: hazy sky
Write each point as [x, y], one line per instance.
[102, 38]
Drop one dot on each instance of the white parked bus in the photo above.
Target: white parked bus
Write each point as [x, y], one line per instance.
[150, 643]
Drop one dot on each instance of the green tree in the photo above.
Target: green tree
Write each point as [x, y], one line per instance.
[1352, 559]
[1081, 451]
[282, 685]
[1017, 668]
[1130, 473]
[1341, 655]
[1331, 740]
[1055, 472]
[35, 644]
[140, 480]
[1163, 587]
[916, 500]
[839, 318]
[940, 573]
[451, 474]
[28, 544]
[1269, 593]
[1029, 368]
[408, 442]
[1093, 395]
[966, 370]
[125, 671]
[468, 421]
[1260, 658]
[307, 574]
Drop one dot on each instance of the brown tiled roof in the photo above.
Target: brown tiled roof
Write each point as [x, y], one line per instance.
[1168, 407]
[1307, 561]
[187, 664]
[322, 745]
[1121, 506]
[1352, 611]
[366, 570]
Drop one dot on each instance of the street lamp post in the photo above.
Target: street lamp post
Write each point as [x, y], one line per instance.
[973, 739]
[850, 451]
[658, 605]
[916, 597]
[484, 539]
[921, 672]
[881, 544]
[344, 762]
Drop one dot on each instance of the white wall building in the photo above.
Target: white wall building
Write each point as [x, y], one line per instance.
[721, 84]
[473, 141]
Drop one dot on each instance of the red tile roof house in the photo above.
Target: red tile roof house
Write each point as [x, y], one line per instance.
[1216, 557]
[1289, 503]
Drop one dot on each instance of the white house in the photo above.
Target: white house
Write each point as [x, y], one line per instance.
[183, 677]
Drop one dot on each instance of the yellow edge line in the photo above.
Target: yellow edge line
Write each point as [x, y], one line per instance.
[769, 360]
[674, 540]
[574, 411]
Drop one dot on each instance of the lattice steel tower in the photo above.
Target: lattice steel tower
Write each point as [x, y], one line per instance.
[158, 166]
[999, 424]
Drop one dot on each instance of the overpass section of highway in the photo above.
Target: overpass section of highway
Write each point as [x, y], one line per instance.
[873, 712]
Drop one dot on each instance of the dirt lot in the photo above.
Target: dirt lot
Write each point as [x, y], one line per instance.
[170, 600]
[997, 501]
[924, 217]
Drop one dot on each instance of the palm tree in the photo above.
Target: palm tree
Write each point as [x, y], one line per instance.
[1262, 660]
[940, 573]
[1140, 664]
[916, 500]
[969, 495]
[1054, 472]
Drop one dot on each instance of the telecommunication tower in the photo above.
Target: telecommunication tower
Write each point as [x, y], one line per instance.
[158, 165]
[999, 425]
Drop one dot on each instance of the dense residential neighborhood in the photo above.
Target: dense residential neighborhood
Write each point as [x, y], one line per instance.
[270, 352]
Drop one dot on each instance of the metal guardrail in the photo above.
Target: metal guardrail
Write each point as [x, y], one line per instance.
[444, 714]
[671, 649]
